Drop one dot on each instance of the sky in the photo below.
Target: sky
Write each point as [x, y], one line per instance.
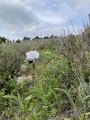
[19, 18]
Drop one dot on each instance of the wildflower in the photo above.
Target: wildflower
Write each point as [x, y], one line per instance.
[31, 56]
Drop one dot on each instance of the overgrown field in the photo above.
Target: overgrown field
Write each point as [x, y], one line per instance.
[60, 84]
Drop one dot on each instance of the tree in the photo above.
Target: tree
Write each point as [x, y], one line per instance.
[52, 36]
[2, 39]
[18, 41]
[46, 37]
[26, 38]
[55, 36]
[37, 37]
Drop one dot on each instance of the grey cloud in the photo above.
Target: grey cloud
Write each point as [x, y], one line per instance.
[17, 15]
[16, 19]
[23, 17]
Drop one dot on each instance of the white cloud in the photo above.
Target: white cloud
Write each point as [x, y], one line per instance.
[54, 20]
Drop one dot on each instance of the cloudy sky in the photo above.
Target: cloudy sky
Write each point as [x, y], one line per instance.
[19, 18]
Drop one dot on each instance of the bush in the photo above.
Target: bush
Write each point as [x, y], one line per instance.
[10, 59]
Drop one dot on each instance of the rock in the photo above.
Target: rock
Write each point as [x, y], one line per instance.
[23, 68]
[24, 79]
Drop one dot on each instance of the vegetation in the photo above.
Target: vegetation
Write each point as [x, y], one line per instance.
[60, 89]
[2, 39]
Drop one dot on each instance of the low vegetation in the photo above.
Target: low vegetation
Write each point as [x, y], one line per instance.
[60, 84]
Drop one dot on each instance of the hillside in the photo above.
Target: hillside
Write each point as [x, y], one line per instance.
[59, 86]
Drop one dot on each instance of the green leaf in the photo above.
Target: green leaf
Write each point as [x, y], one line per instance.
[66, 119]
[87, 97]
[29, 97]
[69, 97]
[10, 97]
[20, 101]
